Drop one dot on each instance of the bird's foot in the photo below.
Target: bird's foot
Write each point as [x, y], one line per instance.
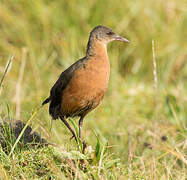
[74, 136]
[80, 142]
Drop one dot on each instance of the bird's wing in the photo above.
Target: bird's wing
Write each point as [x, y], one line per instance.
[65, 78]
[60, 85]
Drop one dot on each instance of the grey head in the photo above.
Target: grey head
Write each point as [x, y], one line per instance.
[106, 35]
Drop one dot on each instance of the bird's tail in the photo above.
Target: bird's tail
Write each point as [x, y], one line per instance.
[46, 101]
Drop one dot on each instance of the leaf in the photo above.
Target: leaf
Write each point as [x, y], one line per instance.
[98, 148]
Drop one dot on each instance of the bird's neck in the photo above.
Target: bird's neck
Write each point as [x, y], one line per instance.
[96, 48]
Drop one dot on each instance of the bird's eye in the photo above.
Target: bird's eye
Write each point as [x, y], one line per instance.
[110, 33]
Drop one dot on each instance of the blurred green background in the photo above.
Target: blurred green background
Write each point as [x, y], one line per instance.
[45, 37]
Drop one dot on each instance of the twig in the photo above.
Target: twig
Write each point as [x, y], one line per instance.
[6, 69]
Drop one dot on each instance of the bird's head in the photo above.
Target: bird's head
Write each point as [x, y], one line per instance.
[106, 35]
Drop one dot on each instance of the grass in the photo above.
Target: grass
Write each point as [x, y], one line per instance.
[45, 37]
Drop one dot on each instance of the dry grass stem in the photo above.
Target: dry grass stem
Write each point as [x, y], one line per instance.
[155, 86]
[8, 65]
[17, 97]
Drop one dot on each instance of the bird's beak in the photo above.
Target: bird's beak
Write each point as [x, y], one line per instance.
[120, 38]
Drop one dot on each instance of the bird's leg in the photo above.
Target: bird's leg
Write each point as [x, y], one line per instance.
[80, 125]
[80, 128]
[69, 127]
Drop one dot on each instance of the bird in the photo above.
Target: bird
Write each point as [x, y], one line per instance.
[81, 87]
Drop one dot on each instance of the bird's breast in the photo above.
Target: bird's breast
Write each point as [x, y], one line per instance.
[88, 85]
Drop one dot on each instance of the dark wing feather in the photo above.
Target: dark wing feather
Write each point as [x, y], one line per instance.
[59, 86]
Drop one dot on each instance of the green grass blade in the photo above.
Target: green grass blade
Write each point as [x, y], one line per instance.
[6, 69]
[28, 122]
